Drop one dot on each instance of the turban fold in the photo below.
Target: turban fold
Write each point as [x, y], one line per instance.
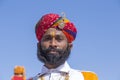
[52, 20]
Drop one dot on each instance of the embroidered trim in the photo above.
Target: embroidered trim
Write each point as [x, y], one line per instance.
[66, 77]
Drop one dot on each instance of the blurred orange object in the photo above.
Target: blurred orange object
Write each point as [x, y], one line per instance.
[19, 73]
[89, 75]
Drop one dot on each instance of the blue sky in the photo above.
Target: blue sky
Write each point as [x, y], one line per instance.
[96, 48]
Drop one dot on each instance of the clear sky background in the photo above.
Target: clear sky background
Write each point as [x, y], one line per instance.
[96, 48]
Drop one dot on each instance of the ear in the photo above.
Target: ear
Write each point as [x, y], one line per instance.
[70, 45]
[38, 45]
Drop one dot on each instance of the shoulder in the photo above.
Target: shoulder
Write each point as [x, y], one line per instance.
[30, 78]
[34, 77]
[87, 75]
[75, 74]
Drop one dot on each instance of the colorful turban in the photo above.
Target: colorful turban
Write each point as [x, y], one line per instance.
[52, 20]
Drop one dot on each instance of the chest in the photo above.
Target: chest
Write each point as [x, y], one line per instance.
[59, 76]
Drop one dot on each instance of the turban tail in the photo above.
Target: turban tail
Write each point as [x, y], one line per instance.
[55, 21]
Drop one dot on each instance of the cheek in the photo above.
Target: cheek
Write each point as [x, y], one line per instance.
[63, 45]
[44, 45]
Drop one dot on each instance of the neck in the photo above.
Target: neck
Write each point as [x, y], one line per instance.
[49, 66]
[52, 66]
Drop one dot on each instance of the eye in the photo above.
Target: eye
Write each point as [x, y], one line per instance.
[47, 38]
[59, 38]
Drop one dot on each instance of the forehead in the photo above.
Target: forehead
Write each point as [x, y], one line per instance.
[50, 31]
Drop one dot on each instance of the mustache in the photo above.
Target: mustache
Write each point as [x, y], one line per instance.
[52, 49]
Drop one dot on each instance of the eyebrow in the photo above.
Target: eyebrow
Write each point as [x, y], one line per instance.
[55, 35]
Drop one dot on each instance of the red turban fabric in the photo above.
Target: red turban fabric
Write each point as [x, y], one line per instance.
[52, 20]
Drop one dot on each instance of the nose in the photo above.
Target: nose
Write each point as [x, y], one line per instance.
[53, 43]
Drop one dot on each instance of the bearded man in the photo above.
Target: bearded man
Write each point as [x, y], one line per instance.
[55, 35]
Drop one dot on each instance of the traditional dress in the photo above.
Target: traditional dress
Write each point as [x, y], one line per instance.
[64, 72]
[52, 20]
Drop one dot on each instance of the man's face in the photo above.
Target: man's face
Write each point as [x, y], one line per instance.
[54, 48]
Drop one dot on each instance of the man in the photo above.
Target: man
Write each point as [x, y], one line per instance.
[55, 35]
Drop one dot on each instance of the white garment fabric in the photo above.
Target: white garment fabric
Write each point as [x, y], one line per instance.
[59, 73]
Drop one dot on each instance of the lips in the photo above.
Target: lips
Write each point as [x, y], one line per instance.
[53, 51]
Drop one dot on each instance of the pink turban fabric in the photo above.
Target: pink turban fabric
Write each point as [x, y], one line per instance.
[52, 20]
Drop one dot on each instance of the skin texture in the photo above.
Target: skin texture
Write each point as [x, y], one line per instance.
[53, 49]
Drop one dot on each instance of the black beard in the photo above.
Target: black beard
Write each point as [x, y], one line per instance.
[53, 59]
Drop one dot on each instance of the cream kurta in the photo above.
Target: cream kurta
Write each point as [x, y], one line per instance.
[59, 73]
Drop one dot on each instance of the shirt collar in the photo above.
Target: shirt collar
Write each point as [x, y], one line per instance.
[65, 68]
